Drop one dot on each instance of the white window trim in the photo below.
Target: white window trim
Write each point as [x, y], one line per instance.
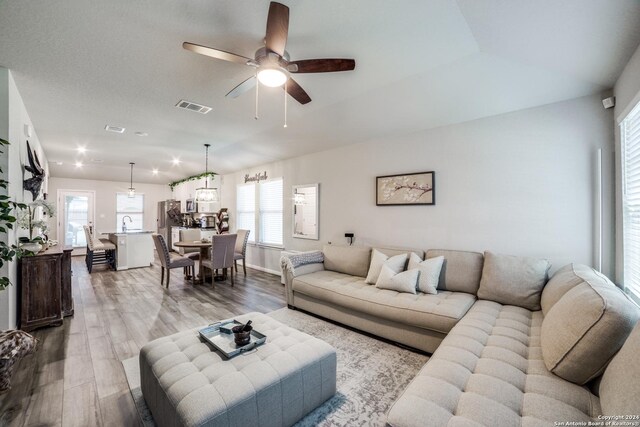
[256, 212]
[127, 213]
[634, 115]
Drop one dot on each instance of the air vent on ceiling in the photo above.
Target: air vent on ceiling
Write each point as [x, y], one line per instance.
[116, 129]
[202, 109]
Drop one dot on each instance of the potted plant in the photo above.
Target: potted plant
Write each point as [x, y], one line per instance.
[29, 220]
[8, 252]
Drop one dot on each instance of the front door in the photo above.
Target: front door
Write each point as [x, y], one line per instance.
[76, 211]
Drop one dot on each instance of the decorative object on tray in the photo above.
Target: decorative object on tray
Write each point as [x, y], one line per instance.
[242, 334]
[34, 183]
[407, 189]
[222, 336]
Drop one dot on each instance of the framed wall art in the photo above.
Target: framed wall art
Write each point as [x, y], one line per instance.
[406, 189]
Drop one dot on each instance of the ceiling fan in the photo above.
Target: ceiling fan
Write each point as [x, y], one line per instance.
[272, 61]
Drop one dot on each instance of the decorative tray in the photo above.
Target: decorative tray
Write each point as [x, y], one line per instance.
[219, 335]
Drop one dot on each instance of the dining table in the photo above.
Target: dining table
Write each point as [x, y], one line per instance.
[204, 253]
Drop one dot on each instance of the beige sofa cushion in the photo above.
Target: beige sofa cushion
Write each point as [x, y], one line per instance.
[513, 280]
[620, 388]
[585, 328]
[353, 260]
[435, 312]
[461, 270]
[562, 282]
[489, 372]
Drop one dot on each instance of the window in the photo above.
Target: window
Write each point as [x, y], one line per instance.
[131, 206]
[630, 131]
[271, 212]
[266, 199]
[246, 209]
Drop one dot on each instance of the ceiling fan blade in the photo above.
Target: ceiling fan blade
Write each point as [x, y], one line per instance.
[321, 65]
[296, 92]
[277, 28]
[242, 87]
[215, 53]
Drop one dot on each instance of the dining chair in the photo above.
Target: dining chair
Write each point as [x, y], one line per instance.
[191, 235]
[169, 260]
[241, 250]
[99, 251]
[222, 251]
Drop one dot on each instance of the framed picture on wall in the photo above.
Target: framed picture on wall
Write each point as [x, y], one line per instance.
[190, 205]
[406, 189]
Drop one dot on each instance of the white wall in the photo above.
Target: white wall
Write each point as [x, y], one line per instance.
[105, 211]
[520, 183]
[627, 93]
[13, 118]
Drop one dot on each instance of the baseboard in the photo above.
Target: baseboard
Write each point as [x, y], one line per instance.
[266, 270]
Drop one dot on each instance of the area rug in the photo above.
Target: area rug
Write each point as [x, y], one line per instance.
[371, 374]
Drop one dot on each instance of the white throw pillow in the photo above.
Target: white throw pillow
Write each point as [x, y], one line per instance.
[429, 272]
[378, 259]
[407, 281]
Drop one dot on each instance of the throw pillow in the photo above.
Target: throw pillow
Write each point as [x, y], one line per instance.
[406, 281]
[429, 272]
[378, 259]
[513, 280]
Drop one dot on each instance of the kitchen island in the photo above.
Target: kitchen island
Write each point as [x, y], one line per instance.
[134, 248]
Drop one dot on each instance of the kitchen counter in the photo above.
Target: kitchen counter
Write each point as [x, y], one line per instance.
[135, 248]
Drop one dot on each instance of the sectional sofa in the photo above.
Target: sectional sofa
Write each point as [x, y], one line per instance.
[510, 346]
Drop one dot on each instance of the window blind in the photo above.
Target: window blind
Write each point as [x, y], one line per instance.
[246, 209]
[631, 200]
[271, 212]
[131, 206]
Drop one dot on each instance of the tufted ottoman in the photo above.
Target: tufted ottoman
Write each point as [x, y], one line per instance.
[185, 383]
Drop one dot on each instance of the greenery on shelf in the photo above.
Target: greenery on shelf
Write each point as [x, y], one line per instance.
[7, 252]
[192, 178]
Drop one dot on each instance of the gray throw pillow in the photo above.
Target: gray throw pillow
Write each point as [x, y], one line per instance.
[513, 280]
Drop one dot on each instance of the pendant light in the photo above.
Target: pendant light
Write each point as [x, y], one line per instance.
[206, 194]
[132, 191]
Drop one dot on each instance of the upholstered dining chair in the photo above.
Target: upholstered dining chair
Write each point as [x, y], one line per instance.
[99, 251]
[191, 235]
[168, 260]
[241, 250]
[222, 250]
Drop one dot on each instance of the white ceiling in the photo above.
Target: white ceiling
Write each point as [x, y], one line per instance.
[419, 64]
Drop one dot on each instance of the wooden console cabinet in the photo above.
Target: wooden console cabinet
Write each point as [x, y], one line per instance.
[45, 288]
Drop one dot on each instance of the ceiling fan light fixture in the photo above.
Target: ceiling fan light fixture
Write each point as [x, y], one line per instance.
[273, 76]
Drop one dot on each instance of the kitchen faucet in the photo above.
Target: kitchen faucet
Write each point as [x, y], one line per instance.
[124, 226]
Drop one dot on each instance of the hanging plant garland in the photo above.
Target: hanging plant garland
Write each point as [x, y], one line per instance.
[192, 178]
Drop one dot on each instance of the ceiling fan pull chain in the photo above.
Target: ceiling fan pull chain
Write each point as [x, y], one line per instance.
[257, 85]
[285, 103]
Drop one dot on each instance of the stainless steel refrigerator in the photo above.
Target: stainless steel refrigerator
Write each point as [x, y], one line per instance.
[168, 216]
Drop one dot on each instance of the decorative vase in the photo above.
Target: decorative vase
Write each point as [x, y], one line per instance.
[31, 246]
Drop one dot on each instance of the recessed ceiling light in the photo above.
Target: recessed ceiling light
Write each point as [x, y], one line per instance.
[82, 149]
[116, 129]
[142, 134]
[78, 164]
[155, 171]
[176, 161]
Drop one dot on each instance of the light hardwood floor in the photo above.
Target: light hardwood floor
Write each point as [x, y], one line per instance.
[76, 376]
